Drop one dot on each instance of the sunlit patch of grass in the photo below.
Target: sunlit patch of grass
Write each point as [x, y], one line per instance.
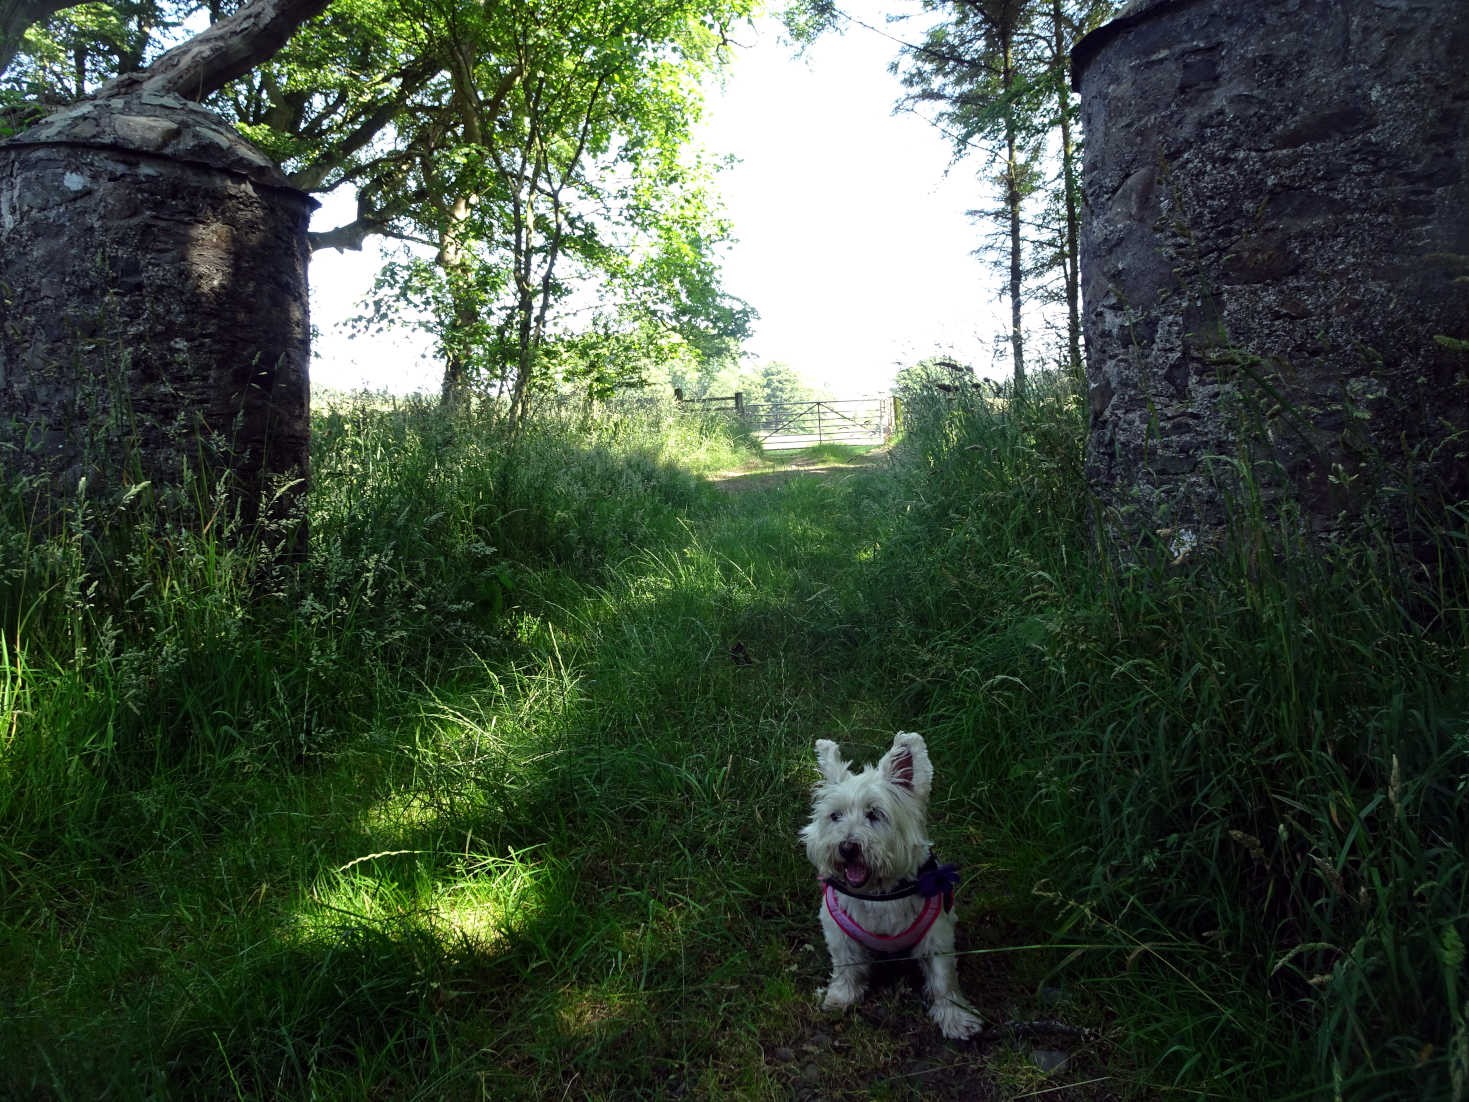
[464, 901]
[824, 453]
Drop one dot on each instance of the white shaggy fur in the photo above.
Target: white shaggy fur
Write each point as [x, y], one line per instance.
[868, 829]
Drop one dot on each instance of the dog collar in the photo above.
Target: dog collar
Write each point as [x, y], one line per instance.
[933, 880]
[935, 883]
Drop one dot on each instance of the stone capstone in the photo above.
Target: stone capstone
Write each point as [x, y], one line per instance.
[161, 124]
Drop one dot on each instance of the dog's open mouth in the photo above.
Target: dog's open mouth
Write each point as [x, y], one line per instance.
[855, 873]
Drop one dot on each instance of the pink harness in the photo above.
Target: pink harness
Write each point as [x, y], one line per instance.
[885, 943]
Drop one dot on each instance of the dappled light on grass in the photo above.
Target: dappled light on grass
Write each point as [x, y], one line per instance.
[344, 841]
[464, 901]
[539, 837]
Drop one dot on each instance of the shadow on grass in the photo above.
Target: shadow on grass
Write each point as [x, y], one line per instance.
[574, 872]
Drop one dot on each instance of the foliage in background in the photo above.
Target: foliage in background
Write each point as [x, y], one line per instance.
[529, 154]
[772, 383]
[75, 47]
[559, 167]
[931, 376]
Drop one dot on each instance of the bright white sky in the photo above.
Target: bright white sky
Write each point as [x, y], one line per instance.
[853, 245]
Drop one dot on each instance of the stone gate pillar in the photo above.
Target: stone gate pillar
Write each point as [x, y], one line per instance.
[1275, 262]
[153, 304]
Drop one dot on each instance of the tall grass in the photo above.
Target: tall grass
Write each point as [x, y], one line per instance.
[496, 793]
[188, 724]
[1243, 767]
[420, 522]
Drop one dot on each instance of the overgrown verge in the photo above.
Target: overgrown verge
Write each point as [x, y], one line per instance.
[172, 703]
[163, 624]
[1237, 772]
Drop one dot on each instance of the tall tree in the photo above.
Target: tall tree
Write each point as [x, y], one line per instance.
[997, 74]
[1069, 20]
[1062, 36]
[977, 67]
[556, 123]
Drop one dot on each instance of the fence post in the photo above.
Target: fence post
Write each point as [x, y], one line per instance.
[739, 403]
[678, 394]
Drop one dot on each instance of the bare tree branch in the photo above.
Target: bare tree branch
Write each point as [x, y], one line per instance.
[228, 49]
[351, 236]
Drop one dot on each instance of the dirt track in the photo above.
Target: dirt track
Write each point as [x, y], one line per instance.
[749, 479]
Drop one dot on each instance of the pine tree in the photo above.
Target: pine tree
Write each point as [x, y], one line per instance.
[996, 74]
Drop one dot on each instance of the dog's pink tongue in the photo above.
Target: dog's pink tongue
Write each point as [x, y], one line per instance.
[856, 874]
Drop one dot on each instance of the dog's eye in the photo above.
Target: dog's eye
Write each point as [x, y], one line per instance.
[874, 815]
[836, 816]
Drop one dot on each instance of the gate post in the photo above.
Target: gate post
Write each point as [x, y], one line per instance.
[153, 308]
[1274, 266]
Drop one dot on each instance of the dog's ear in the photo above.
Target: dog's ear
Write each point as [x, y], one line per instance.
[829, 761]
[907, 766]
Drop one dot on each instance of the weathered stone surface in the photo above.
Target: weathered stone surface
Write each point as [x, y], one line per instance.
[153, 306]
[151, 122]
[1278, 229]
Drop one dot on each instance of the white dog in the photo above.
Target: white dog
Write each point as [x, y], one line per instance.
[884, 893]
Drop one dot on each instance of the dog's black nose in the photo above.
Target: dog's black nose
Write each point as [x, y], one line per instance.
[849, 851]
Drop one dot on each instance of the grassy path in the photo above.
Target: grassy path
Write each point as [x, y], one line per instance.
[671, 778]
[572, 872]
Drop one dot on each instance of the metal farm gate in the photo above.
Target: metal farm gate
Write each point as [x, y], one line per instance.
[786, 426]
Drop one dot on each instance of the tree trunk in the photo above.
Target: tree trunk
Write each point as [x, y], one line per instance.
[17, 15]
[456, 249]
[455, 259]
[1070, 262]
[1012, 206]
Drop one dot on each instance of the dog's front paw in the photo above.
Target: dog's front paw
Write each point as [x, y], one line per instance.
[842, 992]
[954, 1021]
